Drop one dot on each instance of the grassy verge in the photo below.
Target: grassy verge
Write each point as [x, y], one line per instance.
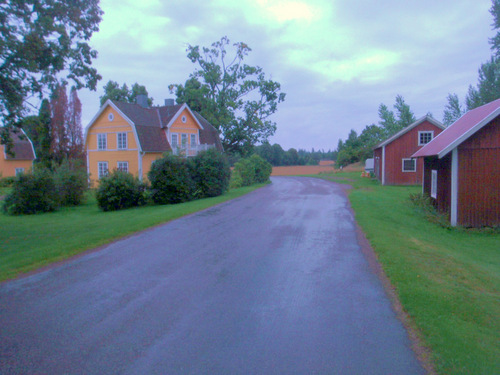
[448, 280]
[29, 242]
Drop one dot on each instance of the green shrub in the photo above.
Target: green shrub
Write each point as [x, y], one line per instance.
[423, 205]
[244, 170]
[171, 181]
[262, 168]
[119, 190]
[7, 181]
[210, 173]
[71, 181]
[32, 193]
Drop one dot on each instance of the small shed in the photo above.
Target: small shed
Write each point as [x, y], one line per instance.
[461, 168]
[393, 162]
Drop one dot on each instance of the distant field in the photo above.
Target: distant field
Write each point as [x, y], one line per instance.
[313, 169]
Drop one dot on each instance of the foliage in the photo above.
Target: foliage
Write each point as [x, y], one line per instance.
[119, 190]
[113, 91]
[38, 40]
[210, 173]
[71, 182]
[171, 180]
[234, 97]
[276, 156]
[262, 169]
[453, 110]
[38, 129]
[358, 148]
[7, 181]
[424, 206]
[32, 193]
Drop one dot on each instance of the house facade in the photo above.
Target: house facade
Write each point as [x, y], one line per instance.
[23, 155]
[461, 168]
[130, 137]
[393, 161]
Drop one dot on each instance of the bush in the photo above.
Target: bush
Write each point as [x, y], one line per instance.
[32, 193]
[262, 168]
[423, 205]
[243, 174]
[119, 190]
[210, 173]
[71, 182]
[171, 181]
[7, 181]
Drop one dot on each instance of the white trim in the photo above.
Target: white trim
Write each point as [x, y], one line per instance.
[434, 183]
[118, 141]
[454, 188]
[383, 165]
[113, 149]
[99, 176]
[140, 155]
[422, 132]
[99, 136]
[123, 162]
[403, 165]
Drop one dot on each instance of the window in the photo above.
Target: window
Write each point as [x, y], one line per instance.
[434, 183]
[425, 137]
[193, 140]
[121, 141]
[409, 165]
[184, 140]
[122, 166]
[175, 140]
[111, 117]
[19, 171]
[102, 141]
[102, 169]
[183, 119]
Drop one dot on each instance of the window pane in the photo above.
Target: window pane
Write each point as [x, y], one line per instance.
[102, 141]
[122, 141]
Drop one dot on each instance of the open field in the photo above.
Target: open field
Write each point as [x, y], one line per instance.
[32, 241]
[448, 280]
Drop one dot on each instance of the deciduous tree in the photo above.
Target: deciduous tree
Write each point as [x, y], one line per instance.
[38, 40]
[113, 91]
[453, 110]
[234, 97]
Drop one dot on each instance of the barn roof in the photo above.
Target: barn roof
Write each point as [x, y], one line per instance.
[460, 130]
[408, 128]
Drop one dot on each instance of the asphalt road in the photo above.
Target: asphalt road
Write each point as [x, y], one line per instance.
[271, 283]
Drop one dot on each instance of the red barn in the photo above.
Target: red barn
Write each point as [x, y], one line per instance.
[461, 171]
[394, 164]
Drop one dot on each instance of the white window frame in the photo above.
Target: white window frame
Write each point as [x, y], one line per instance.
[122, 166]
[102, 169]
[102, 141]
[184, 140]
[19, 171]
[434, 182]
[121, 141]
[193, 140]
[176, 143]
[414, 165]
[423, 133]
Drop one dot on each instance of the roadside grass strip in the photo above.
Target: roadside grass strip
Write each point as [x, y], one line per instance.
[29, 242]
[448, 280]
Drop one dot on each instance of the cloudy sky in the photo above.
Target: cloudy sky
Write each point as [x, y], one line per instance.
[336, 60]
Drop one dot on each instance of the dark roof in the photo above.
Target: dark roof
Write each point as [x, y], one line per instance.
[150, 122]
[208, 135]
[22, 149]
[460, 130]
[408, 128]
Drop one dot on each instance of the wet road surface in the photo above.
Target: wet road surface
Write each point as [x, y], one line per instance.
[271, 283]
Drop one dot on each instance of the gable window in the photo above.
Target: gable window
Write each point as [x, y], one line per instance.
[122, 166]
[121, 141]
[19, 171]
[183, 119]
[175, 140]
[102, 141]
[425, 137]
[102, 169]
[434, 183]
[409, 165]
[184, 140]
[193, 140]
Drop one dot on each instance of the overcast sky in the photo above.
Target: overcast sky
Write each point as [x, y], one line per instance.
[336, 60]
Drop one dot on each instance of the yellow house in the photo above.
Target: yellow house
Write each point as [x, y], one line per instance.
[23, 154]
[131, 136]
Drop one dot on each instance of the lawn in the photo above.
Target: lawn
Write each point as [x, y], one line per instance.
[448, 280]
[31, 241]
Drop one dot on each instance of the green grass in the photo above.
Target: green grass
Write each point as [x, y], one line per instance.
[448, 280]
[31, 241]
